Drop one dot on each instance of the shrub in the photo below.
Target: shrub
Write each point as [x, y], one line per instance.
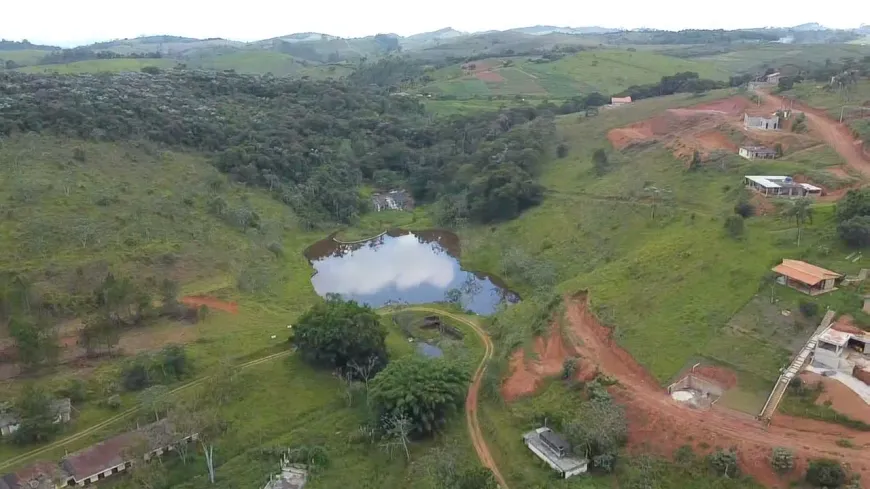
[808, 308]
[562, 150]
[744, 209]
[684, 455]
[826, 473]
[569, 368]
[782, 460]
[734, 226]
[724, 462]
[855, 231]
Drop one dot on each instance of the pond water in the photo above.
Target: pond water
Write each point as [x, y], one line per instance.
[400, 267]
[430, 351]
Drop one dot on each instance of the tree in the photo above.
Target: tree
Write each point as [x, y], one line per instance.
[37, 418]
[153, 399]
[562, 150]
[335, 332]
[855, 231]
[734, 226]
[825, 473]
[778, 148]
[782, 460]
[599, 430]
[203, 419]
[35, 340]
[801, 212]
[397, 429]
[695, 163]
[724, 462]
[425, 391]
[599, 162]
[744, 209]
[569, 368]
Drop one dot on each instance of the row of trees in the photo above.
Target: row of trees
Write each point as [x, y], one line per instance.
[312, 143]
[85, 54]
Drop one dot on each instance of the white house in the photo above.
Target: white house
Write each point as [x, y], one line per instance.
[766, 123]
[617, 101]
[757, 153]
[780, 186]
[555, 451]
[838, 350]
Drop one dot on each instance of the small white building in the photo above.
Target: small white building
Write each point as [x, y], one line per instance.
[841, 351]
[757, 153]
[760, 122]
[617, 101]
[555, 451]
[773, 78]
[780, 186]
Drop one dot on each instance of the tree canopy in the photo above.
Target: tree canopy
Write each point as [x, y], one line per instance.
[424, 391]
[337, 334]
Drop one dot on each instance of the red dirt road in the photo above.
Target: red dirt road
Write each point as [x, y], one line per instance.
[211, 303]
[659, 424]
[837, 135]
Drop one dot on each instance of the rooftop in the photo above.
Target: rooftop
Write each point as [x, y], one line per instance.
[556, 440]
[759, 149]
[564, 464]
[804, 272]
[772, 181]
[620, 100]
[835, 337]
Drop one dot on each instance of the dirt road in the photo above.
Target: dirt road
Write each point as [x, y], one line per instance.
[20, 459]
[837, 135]
[474, 430]
[658, 423]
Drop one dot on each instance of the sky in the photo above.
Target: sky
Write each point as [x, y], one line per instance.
[66, 22]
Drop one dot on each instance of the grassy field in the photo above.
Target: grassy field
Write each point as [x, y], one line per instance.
[101, 65]
[262, 62]
[850, 102]
[605, 70]
[22, 57]
[752, 58]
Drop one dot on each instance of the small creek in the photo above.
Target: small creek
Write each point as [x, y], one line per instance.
[401, 267]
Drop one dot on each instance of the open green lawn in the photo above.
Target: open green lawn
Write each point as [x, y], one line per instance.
[603, 70]
[851, 102]
[101, 65]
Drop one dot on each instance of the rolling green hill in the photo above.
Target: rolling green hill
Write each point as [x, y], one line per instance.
[101, 65]
[262, 62]
[22, 57]
[749, 59]
[608, 71]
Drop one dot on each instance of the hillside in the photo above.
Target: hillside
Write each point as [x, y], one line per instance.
[608, 71]
[100, 66]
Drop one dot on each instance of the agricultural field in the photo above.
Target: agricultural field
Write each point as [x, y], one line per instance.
[602, 70]
[101, 65]
[753, 58]
[262, 62]
[22, 57]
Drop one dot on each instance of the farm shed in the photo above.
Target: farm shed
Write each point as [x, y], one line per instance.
[617, 101]
[780, 186]
[757, 153]
[766, 123]
[555, 451]
[806, 278]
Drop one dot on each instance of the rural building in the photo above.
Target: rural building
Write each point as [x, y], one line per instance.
[555, 451]
[395, 200]
[846, 352]
[757, 153]
[115, 455]
[617, 101]
[780, 186]
[806, 278]
[41, 475]
[773, 78]
[292, 476]
[766, 123]
[9, 422]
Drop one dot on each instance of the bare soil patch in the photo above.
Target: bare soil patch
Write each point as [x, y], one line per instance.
[720, 375]
[489, 76]
[841, 398]
[659, 424]
[528, 373]
[211, 303]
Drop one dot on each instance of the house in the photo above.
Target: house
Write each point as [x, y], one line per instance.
[555, 451]
[773, 78]
[116, 454]
[760, 122]
[617, 101]
[780, 186]
[41, 475]
[9, 422]
[396, 200]
[292, 476]
[847, 352]
[806, 278]
[757, 153]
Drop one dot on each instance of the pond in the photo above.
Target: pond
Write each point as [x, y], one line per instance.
[429, 350]
[401, 267]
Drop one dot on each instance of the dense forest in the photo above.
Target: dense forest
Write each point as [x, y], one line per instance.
[312, 144]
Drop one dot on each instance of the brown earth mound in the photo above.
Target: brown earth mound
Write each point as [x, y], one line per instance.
[661, 425]
[527, 374]
[842, 399]
[720, 375]
[211, 303]
[846, 324]
[489, 76]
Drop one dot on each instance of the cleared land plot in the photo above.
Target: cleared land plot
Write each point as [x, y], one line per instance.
[751, 58]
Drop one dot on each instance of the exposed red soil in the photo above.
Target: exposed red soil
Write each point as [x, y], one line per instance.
[837, 135]
[662, 425]
[846, 324]
[489, 76]
[527, 374]
[763, 205]
[842, 399]
[211, 303]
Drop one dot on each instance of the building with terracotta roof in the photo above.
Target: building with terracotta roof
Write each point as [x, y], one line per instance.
[806, 278]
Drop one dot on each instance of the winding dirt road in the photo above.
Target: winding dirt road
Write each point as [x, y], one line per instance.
[662, 425]
[474, 430]
[835, 134]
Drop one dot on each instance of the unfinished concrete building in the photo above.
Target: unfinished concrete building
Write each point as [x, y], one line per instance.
[760, 122]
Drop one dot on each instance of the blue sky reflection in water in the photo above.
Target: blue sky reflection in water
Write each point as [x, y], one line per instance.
[401, 267]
